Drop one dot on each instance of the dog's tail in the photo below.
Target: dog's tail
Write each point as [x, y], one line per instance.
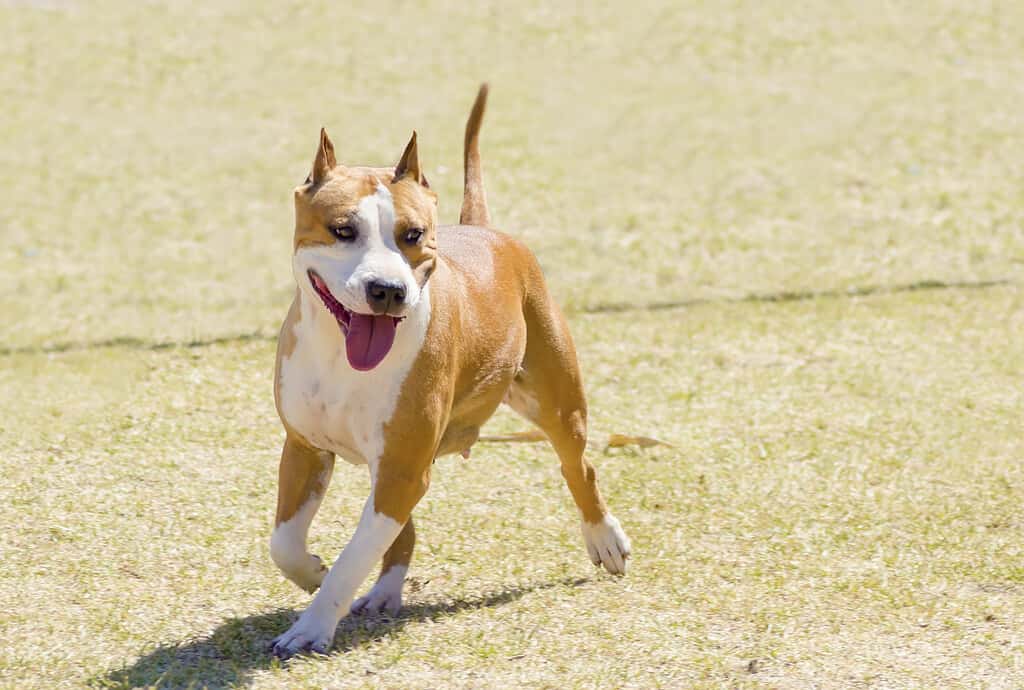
[474, 198]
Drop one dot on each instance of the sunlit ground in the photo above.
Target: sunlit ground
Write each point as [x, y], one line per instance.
[791, 245]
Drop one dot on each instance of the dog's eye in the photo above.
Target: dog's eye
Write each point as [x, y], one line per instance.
[345, 233]
[413, 235]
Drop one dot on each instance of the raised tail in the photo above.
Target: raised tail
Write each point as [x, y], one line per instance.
[474, 198]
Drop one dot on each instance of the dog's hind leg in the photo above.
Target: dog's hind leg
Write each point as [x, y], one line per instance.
[386, 594]
[302, 481]
[548, 391]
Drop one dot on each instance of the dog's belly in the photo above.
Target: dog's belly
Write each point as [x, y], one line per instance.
[478, 404]
[458, 439]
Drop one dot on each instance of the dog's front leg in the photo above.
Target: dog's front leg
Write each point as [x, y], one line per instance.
[392, 498]
[302, 480]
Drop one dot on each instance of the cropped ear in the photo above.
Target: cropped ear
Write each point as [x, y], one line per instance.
[410, 164]
[324, 161]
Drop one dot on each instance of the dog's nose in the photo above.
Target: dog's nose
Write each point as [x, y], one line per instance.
[382, 295]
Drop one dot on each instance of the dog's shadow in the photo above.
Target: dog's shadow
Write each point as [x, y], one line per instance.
[235, 650]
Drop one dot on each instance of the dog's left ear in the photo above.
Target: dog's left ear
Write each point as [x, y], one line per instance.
[409, 165]
[325, 160]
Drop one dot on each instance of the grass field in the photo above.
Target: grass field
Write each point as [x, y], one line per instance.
[790, 241]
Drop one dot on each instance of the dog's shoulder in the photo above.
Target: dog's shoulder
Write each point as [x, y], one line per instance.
[476, 249]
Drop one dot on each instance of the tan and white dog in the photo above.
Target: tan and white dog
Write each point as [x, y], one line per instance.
[403, 339]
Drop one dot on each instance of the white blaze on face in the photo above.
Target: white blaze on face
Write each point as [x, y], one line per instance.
[347, 267]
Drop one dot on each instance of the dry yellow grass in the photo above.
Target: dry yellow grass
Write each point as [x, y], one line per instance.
[790, 243]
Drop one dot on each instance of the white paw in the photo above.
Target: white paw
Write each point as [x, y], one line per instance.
[607, 544]
[386, 594]
[307, 573]
[313, 632]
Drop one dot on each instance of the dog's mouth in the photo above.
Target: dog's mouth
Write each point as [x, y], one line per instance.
[368, 337]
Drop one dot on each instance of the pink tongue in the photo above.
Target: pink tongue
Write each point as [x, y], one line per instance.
[369, 340]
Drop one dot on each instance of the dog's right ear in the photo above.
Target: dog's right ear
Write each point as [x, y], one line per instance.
[324, 161]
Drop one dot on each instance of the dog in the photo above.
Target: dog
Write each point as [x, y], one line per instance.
[403, 338]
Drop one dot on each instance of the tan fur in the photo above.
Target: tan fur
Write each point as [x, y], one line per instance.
[286, 342]
[492, 318]
[494, 335]
[318, 205]
[416, 209]
[474, 198]
[300, 477]
[324, 161]
[400, 552]
[409, 164]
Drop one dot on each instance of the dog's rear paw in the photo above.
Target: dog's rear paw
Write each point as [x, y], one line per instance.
[607, 544]
[377, 602]
[385, 596]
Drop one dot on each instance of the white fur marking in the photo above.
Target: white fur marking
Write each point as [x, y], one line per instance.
[346, 267]
[288, 548]
[330, 404]
[386, 594]
[607, 544]
[333, 406]
[315, 628]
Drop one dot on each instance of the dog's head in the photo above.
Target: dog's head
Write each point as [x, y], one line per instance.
[365, 245]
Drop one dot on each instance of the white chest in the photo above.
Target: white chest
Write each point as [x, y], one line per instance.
[333, 406]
